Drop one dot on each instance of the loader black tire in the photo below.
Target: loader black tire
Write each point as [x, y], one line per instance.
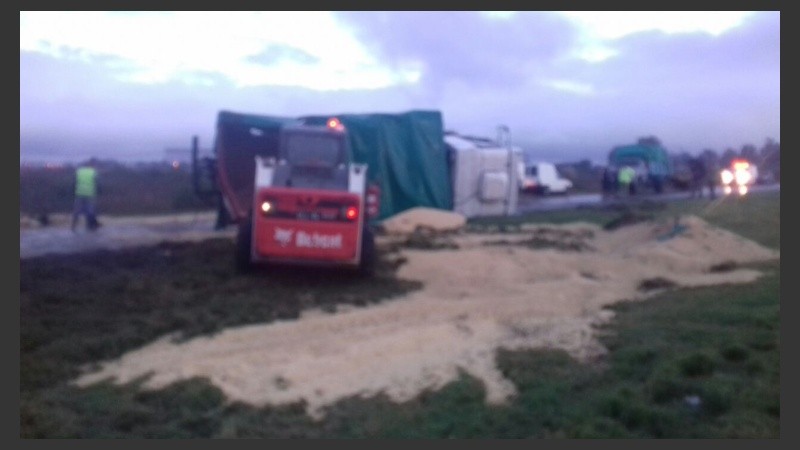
[244, 240]
[368, 259]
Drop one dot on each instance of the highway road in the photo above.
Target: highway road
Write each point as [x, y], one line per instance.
[121, 232]
[532, 203]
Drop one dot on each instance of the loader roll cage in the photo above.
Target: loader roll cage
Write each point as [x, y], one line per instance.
[312, 158]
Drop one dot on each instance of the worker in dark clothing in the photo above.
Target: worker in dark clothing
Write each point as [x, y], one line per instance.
[712, 175]
[223, 217]
[610, 182]
[697, 167]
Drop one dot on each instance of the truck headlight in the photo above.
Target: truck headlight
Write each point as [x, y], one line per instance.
[726, 176]
[742, 177]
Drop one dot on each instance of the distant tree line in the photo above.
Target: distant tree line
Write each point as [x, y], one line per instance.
[586, 176]
[160, 187]
[767, 158]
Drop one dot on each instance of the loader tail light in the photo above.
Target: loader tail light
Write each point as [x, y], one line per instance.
[351, 213]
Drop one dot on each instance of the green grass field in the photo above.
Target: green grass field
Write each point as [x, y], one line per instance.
[689, 363]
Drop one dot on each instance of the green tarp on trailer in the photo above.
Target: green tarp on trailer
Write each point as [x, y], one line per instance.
[405, 153]
[406, 156]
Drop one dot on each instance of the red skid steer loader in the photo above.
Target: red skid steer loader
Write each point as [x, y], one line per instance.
[307, 204]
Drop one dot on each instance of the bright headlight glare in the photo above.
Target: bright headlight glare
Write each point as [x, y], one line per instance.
[742, 177]
[266, 207]
[726, 176]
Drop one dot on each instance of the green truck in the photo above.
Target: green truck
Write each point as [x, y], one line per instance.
[650, 161]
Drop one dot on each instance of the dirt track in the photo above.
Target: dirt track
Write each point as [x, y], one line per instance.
[492, 291]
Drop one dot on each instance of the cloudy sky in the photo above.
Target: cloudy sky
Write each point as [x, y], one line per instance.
[569, 85]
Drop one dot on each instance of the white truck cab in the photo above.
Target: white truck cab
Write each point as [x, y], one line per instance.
[543, 178]
[525, 182]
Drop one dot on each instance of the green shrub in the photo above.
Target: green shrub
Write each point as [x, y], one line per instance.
[697, 365]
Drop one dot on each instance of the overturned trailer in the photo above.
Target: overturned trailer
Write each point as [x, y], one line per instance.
[411, 161]
[404, 152]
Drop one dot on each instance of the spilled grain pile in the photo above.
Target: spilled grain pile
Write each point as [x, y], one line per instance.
[538, 287]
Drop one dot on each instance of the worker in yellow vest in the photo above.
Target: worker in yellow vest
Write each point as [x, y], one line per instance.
[627, 182]
[85, 196]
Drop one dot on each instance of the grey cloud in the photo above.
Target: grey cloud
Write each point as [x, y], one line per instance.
[754, 45]
[464, 46]
[692, 91]
[70, 110]
[728, 75]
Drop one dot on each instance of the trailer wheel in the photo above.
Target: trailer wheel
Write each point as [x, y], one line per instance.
[244, 239]
[368, 258]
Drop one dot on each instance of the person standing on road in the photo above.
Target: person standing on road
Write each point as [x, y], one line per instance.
[697, 167]
[626, 177]
[223, 217]
[712, 174]
[610, 182]
[86, 190]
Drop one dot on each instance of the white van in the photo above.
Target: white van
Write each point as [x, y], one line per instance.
[543, 178]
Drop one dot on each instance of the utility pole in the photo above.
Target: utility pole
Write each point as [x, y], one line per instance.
[503, 136]
[504, 140]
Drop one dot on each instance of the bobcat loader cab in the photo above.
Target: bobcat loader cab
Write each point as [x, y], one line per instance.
[309, 204]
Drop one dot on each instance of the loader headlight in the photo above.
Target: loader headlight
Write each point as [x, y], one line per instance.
[266, 207]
